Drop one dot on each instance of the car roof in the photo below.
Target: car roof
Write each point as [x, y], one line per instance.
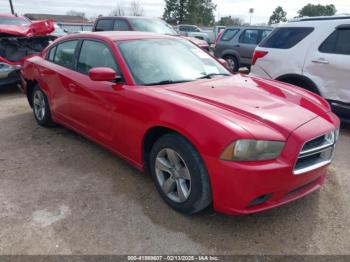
[314, 22]
[117, 35]
[128, 17]
[249, 27]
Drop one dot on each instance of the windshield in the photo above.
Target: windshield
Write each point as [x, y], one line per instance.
[152, 25]
[166, 61]
[13, 21]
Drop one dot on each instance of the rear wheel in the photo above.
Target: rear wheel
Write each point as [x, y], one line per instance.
[232, 63]
[179, 174]
[41, 108]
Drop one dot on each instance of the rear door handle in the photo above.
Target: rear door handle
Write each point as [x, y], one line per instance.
[321, 61]
[72, 87]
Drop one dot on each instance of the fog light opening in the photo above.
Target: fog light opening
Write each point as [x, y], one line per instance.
[259, 200]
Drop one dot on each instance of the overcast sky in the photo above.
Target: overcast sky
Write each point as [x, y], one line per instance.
[154, 8]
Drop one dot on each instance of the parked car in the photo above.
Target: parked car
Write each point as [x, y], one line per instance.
[142, 24]
[237, 44]
[313, 53]
[244, 143]
[193, 31]
[19, 38]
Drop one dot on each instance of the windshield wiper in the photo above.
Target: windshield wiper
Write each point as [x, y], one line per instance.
[167, 82]
[210, 76]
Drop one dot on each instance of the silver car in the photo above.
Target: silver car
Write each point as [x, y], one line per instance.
[237, 44]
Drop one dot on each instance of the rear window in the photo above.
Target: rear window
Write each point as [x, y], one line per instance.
[229, 34]
[286, 37]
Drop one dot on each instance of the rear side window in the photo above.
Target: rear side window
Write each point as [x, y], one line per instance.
[104, 25]
[249, 36]
[95, 54]
[120, 25]
[286, 37]
[229, 34]
[64, 54]
[265, 33]
[337, 43]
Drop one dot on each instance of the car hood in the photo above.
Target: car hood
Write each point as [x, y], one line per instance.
[15, 30]
[276, 105]
[36, 28]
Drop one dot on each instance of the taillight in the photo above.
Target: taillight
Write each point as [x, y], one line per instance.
[217, 39]
[258, 54]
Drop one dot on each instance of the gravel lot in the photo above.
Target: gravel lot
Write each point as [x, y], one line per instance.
[61, 194]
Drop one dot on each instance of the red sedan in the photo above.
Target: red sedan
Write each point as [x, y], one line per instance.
[243, 143]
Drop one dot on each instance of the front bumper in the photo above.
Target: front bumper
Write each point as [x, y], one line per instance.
[250, 187]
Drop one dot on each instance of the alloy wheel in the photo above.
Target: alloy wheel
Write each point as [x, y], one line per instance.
[39, 105]
[173, 175]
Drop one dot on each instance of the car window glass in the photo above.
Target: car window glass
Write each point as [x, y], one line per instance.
[104, 25]
[337, 43]
[52, 53]
[229, 34]
[265, 33]
[64, 55]
[249, 36]
[120, 25]
[286, 37]
[95, 54]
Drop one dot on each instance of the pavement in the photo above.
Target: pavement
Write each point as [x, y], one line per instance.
[62, 194]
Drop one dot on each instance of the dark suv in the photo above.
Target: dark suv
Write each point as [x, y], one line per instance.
[237, 44]
[143, 24]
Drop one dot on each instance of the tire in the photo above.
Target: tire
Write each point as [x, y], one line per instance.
[41, 108]
[232, 62]
[184, 186]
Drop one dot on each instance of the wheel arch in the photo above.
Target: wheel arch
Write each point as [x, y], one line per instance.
[29, 90]
[153, 134]
[301, 81]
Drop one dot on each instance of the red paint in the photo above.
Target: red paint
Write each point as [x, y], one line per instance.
[210, 113]
[31, 28]
[102, 74]
[258, 54]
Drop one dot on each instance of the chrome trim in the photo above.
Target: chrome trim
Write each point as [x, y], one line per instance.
[325, 157]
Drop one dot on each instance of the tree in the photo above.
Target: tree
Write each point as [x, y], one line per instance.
[278, 16]
[117, 11]
[230, 21]
[189, 11]
[75, 13]
[317, 10]
[136, 8]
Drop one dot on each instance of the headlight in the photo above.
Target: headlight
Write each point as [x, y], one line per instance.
[252, 150]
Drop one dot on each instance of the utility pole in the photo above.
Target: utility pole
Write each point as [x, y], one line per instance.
[11, 5]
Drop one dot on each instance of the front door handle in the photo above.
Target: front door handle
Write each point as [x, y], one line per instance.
[321, 61]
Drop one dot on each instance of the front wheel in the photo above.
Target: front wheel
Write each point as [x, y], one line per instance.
[232, 63]
[41, 108]
[179, 174]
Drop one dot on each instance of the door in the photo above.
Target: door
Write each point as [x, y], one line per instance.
[56, 70]
[93, 102]
[247, 42]
[328, 65]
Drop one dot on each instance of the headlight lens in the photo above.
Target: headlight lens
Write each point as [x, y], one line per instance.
[252, 150]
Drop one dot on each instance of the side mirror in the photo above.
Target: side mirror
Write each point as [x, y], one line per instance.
[102, 74]
[223, 62]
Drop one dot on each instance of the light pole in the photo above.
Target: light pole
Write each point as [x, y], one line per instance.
[11, 5]
[251, 11]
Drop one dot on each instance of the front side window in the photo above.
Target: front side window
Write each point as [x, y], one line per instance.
[64, 54]
[104, 25]
[249, 36]
[337, 43]
[229, 34]
[152, 25]
[286, 37]
[265, 33]
[52, 53]
[157, 61]
[95, 54]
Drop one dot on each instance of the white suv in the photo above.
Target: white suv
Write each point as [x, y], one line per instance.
[313, 53]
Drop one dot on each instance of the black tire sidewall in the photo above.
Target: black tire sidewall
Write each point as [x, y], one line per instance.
[200, 195]
[236, 69]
